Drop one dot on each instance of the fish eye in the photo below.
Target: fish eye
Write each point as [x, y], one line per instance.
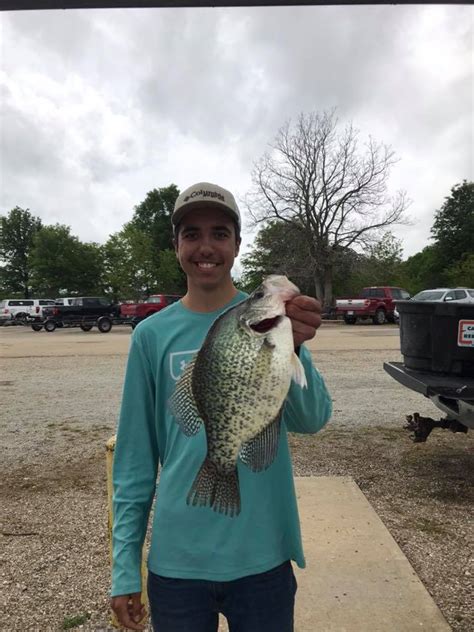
[258, 294]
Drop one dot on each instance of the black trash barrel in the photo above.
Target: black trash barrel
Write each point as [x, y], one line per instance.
[437, 337]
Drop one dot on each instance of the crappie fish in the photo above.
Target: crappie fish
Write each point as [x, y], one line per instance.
[236, 386]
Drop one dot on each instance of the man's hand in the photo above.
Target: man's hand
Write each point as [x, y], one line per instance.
[129, 610]
[305, 315]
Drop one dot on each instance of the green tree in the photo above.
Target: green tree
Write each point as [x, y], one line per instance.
[129, 263]
[453, 228]
[171, 278]
[318, 179]
[422, 270]
[278, 249]
[17, 232]
[461, 273]
[153, 217]
[117, 268]
[61, 264]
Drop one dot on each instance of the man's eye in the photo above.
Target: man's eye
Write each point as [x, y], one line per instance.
[222, 235]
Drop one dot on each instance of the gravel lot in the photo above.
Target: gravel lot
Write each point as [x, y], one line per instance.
[60, 394]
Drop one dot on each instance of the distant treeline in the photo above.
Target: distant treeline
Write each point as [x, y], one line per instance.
[48, 261]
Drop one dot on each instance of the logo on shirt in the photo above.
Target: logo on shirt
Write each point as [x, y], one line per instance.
[179, 360]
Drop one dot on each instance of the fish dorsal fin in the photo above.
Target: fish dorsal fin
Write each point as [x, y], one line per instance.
[182, 404]
[299, 376]
[259, 453]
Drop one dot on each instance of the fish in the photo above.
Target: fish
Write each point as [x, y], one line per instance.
[236, 387]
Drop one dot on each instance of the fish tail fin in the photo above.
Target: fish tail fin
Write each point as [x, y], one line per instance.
[219, 490]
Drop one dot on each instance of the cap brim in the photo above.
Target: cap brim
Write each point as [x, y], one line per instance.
[178, 215]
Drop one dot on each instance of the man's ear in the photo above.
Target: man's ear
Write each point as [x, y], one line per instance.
[237, 246]
[175, 246]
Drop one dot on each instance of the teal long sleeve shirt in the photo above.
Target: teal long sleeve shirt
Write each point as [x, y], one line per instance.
[187, 541]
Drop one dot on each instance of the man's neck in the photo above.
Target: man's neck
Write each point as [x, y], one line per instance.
[202, 300]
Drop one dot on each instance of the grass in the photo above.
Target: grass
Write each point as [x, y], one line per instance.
[75, 621]
[427, 525]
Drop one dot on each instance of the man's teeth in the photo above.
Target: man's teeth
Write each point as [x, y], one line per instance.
[207, 265]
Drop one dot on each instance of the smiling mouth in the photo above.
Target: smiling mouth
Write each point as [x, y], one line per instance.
[265, 325]
[206, 265]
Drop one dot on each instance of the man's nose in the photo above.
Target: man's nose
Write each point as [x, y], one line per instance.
[205, 247]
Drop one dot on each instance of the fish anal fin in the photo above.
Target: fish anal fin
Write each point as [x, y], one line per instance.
[216, 489]
[260, 452]
[182, 404]
[298, 376]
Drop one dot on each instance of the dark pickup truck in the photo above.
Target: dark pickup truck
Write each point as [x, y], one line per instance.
[83, 312]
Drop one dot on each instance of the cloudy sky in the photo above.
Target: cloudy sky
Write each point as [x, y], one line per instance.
[98, 107]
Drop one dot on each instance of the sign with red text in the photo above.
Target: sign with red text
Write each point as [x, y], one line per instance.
[466, 333]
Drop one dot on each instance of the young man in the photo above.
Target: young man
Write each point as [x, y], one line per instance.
[202, 562]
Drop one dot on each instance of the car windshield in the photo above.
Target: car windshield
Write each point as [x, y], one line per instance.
[471, 293]
[429, 295]
[154, 299]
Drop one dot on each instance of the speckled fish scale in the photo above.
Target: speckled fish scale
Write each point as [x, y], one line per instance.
[236, 387]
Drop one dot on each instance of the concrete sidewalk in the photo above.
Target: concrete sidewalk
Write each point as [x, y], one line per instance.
[356, 578]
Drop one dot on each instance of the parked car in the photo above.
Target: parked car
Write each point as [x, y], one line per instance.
[135, 312]
[83, 312]
[19, 309]
[457, 295]
[376, 303]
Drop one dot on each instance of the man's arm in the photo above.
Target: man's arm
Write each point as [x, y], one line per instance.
[134, 472]
[307, 410]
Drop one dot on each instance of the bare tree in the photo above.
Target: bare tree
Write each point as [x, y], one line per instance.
[318, 181]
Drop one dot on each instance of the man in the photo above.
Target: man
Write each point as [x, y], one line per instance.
[202, 562]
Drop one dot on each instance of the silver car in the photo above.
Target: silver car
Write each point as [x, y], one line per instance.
[446, 294]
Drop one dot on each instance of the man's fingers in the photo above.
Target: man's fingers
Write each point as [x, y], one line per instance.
[301, 332]
[309, 315]
[125, 610]
[306, 302]
[305, 315]
[137, 609]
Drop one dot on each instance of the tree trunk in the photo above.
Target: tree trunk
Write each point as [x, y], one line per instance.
[328, 287]
[318, 287]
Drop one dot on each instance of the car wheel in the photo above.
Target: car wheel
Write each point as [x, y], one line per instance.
[104, 324]
[380, 317]
[49, 325]
[20, 316]
[350, 320]
[36, 327]
[85, 326]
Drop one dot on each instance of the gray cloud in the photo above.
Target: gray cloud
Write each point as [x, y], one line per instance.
[101, 106]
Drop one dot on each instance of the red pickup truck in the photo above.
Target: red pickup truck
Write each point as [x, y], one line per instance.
[136, 312]
[376, 303]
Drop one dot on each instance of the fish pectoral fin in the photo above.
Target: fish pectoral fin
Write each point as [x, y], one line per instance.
[260, 452]
[182, 404]
[299, 376]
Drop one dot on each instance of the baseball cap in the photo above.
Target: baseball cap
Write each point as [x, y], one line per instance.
[205, 194]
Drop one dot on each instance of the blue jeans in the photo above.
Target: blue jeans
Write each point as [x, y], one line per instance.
[256, 603]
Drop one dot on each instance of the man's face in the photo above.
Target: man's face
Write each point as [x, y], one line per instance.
[206, 247]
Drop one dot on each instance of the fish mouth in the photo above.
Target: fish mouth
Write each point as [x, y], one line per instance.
[262, 326]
